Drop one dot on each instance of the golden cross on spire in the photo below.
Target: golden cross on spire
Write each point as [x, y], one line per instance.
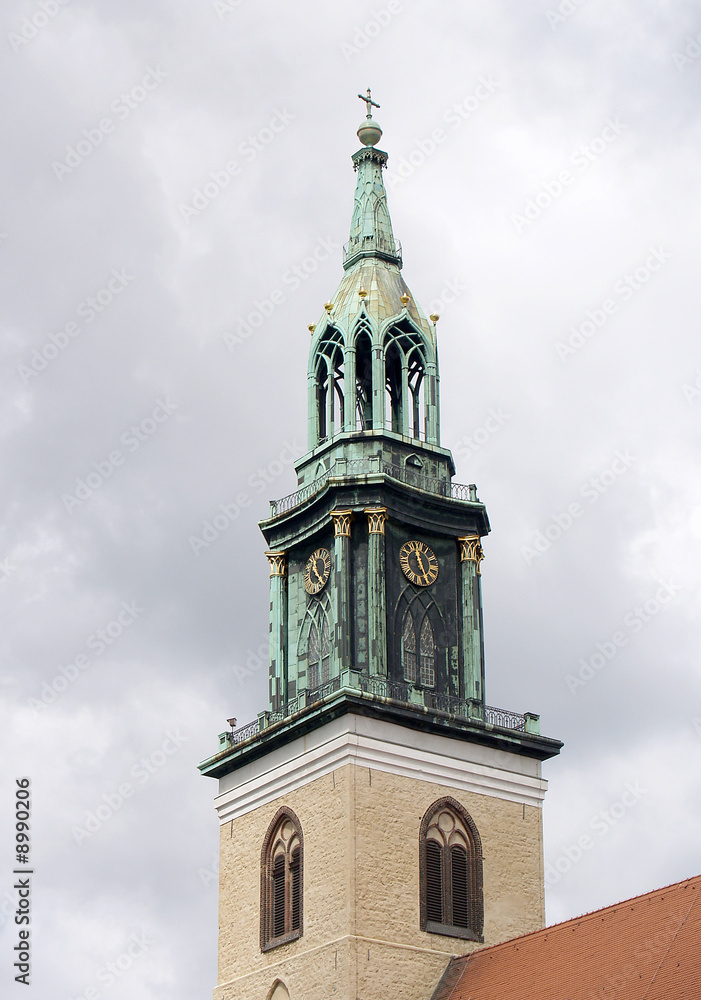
[369, 103]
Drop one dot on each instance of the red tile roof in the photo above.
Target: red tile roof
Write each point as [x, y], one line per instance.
[647, 948]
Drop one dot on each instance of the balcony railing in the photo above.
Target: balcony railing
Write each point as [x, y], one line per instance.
[372, 244]
[355, 467]
[384, 688]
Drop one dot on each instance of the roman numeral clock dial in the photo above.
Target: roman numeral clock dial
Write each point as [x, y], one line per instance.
[316, 571]
[419, 563]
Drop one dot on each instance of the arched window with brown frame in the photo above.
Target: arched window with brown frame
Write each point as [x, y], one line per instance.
[281, 881]
[450, 872]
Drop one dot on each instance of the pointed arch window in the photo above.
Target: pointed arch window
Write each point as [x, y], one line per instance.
[318, 653]
[427, 649]
[281, 881]
[409, 648]
[363, 377]
[450, 872]
[418, 663]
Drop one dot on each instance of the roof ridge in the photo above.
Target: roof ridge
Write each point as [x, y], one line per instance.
[583, 916]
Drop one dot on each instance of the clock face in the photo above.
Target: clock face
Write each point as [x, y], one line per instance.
[419, 563]
[316, 571]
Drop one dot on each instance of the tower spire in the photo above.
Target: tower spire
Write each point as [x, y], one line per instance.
[371, 227]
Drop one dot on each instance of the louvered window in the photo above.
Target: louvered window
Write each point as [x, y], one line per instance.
[450, 861]
[459, 886]
[434, 882]
[279, 896]
[281, 881]
[296, 873]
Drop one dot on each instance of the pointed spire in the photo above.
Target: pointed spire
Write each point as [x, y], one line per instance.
[371, 227]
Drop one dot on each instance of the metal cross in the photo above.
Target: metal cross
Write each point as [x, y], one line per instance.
[369, 103]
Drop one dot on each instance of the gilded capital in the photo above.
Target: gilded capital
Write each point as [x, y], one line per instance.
[342, 522]
[376, 519]
[278, 563]
[471, 550]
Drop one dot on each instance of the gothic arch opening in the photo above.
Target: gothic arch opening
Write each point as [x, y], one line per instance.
[329, 382]
[419, 625]
[363, 377]
[405, 371]
[281, 880]
[450, 872]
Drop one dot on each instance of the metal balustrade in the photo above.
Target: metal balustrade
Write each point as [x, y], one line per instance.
[385, 688]
[353, 468]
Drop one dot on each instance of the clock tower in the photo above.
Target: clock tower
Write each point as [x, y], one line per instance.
[379, 816]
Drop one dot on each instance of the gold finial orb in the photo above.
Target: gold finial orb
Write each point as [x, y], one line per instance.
[311, 327]
[328, 306]
[362, 293]
[404, 299]
[434, 317]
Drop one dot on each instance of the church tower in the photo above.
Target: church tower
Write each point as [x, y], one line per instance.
[379, 817]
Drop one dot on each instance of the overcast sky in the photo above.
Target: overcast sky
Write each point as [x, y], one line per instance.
[167, 168]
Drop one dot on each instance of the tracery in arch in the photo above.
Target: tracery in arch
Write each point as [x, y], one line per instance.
[314, 648]
[418, 647]
[405, 372]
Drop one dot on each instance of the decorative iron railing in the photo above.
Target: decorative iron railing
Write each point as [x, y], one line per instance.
[358, 244]
[354, 467]
[381, 687]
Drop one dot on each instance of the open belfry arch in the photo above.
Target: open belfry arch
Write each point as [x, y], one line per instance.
[379, 817]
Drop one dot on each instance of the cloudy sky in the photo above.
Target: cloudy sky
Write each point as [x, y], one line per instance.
[176, 187]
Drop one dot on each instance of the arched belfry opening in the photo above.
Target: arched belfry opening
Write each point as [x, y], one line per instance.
[328, 375]
[363, 376]
[407, 360]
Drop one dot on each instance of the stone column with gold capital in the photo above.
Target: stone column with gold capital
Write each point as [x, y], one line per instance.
[278, 630]
[342, 535]
[471, 555]
[377, 620]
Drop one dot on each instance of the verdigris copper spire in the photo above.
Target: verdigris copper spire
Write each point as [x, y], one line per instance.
[371, 228]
